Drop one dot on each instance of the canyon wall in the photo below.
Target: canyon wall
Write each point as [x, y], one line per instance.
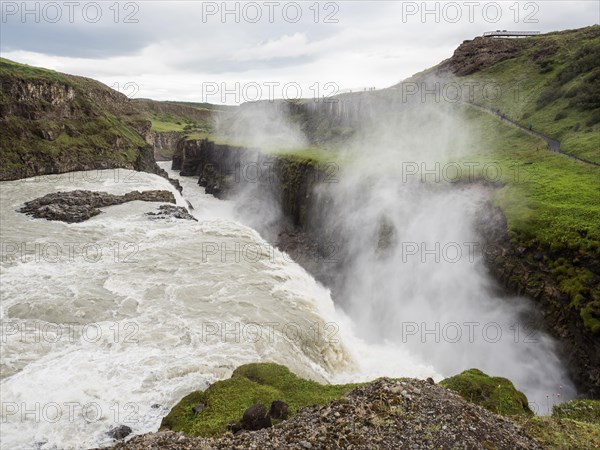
[299, 189]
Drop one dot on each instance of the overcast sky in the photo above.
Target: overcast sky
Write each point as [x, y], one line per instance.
[188, 50]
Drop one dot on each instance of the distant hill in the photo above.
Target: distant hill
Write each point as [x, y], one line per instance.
[551, 81]
[53, 122]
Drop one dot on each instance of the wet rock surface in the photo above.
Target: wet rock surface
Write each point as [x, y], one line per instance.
[384, 414]
[80, 205]
[171, 212]
[525, 271]
[256, 417]
[120, 432]
[279, 410]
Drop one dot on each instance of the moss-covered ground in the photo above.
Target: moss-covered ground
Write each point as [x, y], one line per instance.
[496, 394]
[227, 400]
[573, 425]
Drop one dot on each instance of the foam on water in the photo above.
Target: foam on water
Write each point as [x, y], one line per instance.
[140, 314]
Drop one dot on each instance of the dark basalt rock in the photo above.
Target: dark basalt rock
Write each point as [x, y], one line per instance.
[170, 211]
[256, 417]
[279, 410]
[120, 432]
[80, 205]
[235, 427]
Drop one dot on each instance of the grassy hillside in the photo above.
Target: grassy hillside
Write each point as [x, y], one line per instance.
[53, 122]
[551, 202]
[180, 117]
[553, 83]
[552, 206]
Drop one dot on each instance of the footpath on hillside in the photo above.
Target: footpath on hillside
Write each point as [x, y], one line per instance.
[553, 144]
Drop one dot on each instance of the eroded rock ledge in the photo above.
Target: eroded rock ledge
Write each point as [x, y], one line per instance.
[171, 212]
[80, 205]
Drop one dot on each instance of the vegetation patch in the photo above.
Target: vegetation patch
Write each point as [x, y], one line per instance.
[580, 410]
[53, 122]
[565, 76]
[493, 393]
[551, 206]
[563, 434]
[225, 401]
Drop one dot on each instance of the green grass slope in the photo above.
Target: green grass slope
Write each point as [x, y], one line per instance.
[182, 117]
[553, 83]
[552, 203]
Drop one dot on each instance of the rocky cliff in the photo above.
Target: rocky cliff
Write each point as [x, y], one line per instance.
[280, 192]
[164, 143]
[525, 271]
[54, 123]
[470, 410]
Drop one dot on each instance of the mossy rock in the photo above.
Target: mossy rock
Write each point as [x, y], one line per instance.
[225, 401]
[580, 410]
[496, 394]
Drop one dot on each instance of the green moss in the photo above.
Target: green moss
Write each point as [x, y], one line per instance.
[493, 393]
[313, 155]
[227, 400]
[198, 136]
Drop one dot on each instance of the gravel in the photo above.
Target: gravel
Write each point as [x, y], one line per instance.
[384, 414]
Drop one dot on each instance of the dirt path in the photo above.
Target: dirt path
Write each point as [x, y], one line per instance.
[553, 144]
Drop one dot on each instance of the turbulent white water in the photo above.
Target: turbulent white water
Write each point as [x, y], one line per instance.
[111, 321]
[425, 288]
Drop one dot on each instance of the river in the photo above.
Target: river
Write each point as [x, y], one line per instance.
[113, 320]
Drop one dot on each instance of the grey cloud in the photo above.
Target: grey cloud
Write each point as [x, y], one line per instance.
[72, 40]
[218, 66]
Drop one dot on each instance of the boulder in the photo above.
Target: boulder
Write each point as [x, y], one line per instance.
[120, 432]
[256, 417]
[279, 410]
[235, 427]
[170, 211]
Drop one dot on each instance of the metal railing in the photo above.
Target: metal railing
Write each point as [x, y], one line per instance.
[510, 33]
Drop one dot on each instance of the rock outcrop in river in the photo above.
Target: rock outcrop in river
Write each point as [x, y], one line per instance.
[79, 205]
